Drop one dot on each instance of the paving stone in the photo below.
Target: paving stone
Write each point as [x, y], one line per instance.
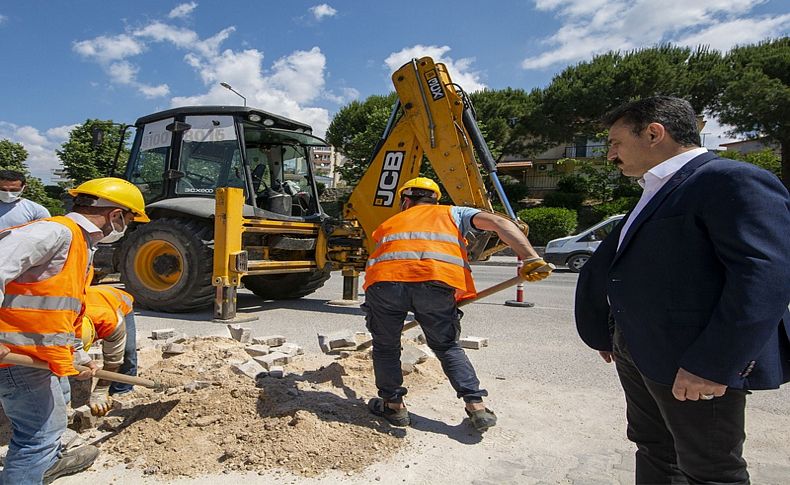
[412, 355]
[242, 334]
[406, 368]
[178, 339]
[274, 359]
[277, 372]
[257, 350]
[251, 369]
[173, 349]
[83, 418]
[289, 349]
[476, 343]
[270, 340]
[163, 333]
[337, 340]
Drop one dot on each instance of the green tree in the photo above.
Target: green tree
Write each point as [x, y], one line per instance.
[355, 130]
[498, 113]
[755, 98]
[13, 157]
[90, 151]
[573, 103]
[766, 159]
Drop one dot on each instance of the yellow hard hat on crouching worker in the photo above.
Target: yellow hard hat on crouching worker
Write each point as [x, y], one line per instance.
[88, 333]
[118, 192]
[420, 183]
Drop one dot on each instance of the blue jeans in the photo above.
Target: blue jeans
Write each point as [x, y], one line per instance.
[129, 364]
[433, 304]
[35, 402]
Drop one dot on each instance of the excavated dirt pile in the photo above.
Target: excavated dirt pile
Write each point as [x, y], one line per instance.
[211, 419]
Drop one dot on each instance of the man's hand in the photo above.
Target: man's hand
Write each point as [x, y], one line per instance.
[535, 269]
[99, 401]
[89, 373]
[4, 351]
[692, 387]
[607, 356]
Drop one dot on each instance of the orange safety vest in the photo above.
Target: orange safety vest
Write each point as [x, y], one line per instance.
[422, 243]
[38, 319]
[105, 305]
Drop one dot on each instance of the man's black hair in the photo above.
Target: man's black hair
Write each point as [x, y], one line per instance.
[12, 176]
[675, 114]
[422, 196]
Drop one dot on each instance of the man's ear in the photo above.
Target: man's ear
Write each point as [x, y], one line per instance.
[655, 133]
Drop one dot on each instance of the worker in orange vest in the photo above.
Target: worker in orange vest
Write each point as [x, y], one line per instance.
[420, 265]
[109, 317]
[43, 276]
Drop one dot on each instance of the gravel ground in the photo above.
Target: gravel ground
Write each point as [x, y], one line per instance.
[561, 410]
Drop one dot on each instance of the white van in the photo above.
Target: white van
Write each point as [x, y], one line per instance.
[574, 251]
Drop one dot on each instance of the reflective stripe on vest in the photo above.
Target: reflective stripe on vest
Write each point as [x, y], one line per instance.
[37, 339]
[406, 255]
[426, 236]
[32, 302]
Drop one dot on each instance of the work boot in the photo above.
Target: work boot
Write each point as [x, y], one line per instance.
[482, 419]
[396, 417]
[72, 461]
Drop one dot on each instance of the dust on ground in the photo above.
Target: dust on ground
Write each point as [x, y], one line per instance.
[312, 420]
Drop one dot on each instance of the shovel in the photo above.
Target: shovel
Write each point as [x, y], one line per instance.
[481, 294]
[27, 361]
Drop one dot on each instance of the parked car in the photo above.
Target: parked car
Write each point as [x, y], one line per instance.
[574, 251]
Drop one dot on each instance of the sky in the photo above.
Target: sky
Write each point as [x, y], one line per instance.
[64, 62]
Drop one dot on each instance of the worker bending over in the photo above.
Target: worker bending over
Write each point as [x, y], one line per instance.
[109, 317]
[43, 274]
[420, 265]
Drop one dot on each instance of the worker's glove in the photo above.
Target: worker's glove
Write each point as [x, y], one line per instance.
[535, 269]
[99, 401]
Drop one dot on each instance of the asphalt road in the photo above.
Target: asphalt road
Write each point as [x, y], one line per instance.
[560, 406]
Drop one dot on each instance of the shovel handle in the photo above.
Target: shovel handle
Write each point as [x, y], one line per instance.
[27, 361]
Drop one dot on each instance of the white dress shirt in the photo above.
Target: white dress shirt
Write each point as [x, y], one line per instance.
[654, 179]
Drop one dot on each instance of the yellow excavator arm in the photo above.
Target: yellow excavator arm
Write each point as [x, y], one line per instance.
[431, 118]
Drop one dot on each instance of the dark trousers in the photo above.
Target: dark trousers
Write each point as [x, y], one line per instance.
[681, 441]
[433, 304]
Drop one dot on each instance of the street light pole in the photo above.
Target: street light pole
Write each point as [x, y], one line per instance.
[227, 86]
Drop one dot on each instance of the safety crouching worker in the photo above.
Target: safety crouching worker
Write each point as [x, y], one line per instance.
[420, 265]
[109, 317]
[43, 275]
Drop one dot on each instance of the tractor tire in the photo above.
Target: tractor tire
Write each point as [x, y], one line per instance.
[167, 265]
[286, 286]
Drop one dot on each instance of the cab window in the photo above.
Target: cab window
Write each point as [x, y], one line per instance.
[210, 156]
[147, 169]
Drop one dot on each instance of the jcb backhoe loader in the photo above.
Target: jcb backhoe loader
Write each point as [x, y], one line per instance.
[266, 228]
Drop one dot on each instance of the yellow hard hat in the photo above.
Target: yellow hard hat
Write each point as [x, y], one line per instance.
[117, 191]
[421, 183]
[88, 333]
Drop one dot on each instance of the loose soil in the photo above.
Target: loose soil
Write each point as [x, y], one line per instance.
[312, 420]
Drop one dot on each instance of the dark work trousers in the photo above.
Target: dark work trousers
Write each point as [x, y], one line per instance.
[681, 441]
[433, 304]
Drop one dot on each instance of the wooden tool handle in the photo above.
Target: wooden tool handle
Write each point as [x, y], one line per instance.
[27, 361]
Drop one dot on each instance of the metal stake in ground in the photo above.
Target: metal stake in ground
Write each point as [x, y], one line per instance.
[519, 301]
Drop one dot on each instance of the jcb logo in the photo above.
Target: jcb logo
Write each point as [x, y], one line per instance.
[388, 181]
[434, 85]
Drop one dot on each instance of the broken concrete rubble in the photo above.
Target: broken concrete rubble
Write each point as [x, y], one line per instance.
[239, 333]
[270, 340]
[251, 369]
[337, 340]
[273, 359]
[257, 350]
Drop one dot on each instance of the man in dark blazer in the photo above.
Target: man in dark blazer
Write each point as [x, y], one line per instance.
[689, 295]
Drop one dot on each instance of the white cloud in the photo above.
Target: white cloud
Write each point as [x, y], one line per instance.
[590, 27]
[107, 49]
[40, 146]
[182, 10]
[290, 86]
[3, 18]
[323, 10]
[460, 70]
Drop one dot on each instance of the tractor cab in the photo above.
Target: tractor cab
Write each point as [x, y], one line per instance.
[184, 154]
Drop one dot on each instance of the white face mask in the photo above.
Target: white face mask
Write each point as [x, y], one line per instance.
[115, 234]
[9, 197]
